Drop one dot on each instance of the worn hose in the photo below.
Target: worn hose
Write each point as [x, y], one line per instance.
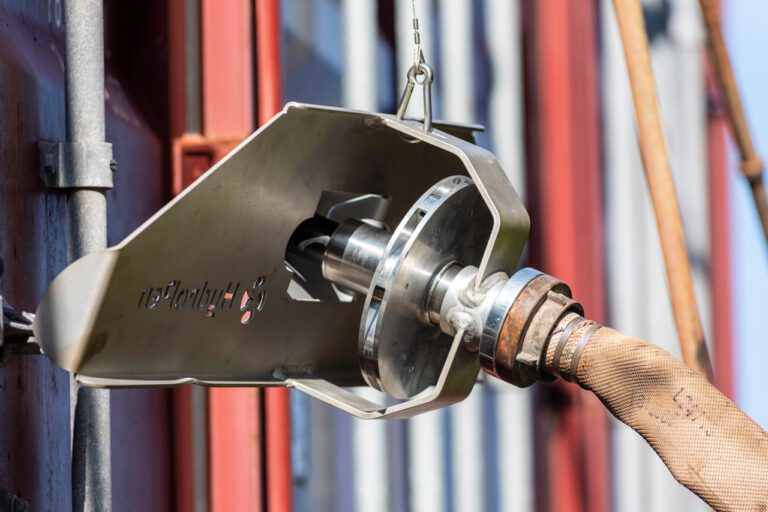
[710, 445]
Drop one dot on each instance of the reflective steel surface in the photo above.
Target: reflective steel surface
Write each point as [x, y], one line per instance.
[401, 352]
[199, 291]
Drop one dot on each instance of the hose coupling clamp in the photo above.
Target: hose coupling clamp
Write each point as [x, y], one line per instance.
[540, 302]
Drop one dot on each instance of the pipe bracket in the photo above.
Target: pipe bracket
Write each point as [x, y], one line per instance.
[74, 165]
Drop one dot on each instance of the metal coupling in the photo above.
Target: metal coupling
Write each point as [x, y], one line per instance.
[465, 305]
[534, 304]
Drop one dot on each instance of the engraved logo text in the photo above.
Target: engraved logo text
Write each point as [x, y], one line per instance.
[208, 299]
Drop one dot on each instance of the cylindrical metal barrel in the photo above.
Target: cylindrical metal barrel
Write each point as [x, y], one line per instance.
[353, 253]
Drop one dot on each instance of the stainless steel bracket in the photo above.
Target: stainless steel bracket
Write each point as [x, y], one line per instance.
[510, 219]
[198, 293]
[76, 165]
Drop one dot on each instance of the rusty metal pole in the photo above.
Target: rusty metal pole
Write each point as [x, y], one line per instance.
[751, 165]
[658, 173]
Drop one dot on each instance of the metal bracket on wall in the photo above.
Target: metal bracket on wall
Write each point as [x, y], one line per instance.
[77, 165]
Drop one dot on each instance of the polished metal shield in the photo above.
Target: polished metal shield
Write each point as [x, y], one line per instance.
[200, 291]
[208, 291]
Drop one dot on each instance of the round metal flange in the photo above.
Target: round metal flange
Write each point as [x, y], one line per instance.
[401, 352]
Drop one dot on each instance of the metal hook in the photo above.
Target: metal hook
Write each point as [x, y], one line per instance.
[414, 72]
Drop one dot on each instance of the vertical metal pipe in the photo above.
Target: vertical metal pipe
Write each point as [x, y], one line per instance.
[87, 222]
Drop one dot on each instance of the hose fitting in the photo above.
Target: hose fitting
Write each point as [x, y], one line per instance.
[518, 356]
